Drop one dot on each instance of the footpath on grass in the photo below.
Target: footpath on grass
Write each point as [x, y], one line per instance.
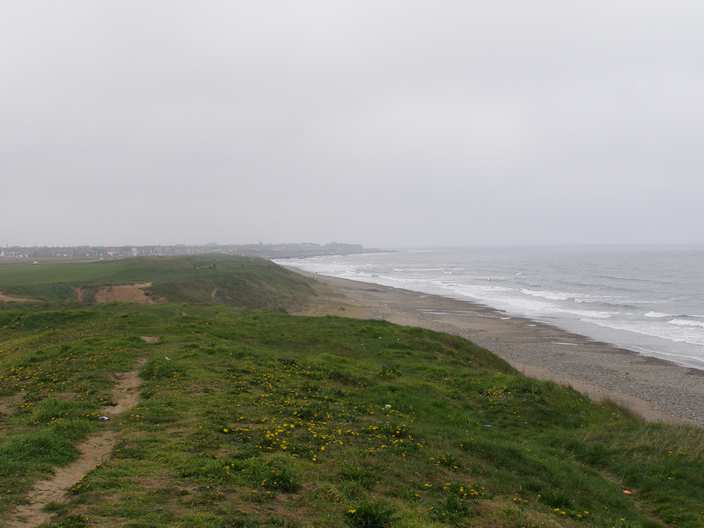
[93, 452]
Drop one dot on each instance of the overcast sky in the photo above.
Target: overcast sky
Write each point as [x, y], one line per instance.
[381, 122]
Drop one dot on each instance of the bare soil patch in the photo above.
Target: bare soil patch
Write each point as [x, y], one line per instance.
[80, 295]
[133, 293]
[93, 452]
[127, 293]
[5, 298]
[9, 404]
[152, 340]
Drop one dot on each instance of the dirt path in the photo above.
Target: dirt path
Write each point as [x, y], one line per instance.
[93, 452]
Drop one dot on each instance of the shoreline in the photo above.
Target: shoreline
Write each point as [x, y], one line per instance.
[656, 389]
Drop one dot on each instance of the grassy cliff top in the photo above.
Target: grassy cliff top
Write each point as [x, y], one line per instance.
[259, 419]
[246, 282]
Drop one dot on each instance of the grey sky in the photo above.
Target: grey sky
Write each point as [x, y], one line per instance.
[386, 123]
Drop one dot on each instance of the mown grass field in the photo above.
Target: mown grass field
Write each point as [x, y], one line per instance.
[255, 419]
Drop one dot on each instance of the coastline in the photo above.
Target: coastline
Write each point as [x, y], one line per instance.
[653, 388]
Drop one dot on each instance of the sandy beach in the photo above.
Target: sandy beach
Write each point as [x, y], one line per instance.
[655, 389]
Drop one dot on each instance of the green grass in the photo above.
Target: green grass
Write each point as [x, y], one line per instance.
[256, 419]
[260, 419]
[246, 282]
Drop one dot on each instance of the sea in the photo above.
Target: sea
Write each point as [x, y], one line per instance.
[646, 299]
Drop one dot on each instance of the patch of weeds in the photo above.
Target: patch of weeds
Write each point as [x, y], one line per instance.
[329, 493]
[496, 394]
[562, 505]
[72, 521]
[359, 474]
[449, 461]
[556, 500]
[312, 412]
[248, 522]
[157, 412]
[281, 479]
[161, 368]
[389, 372]
[346, 379]
[241, 522]
[394, 435]
[54, 507]
[274, 475]
[51, 410]
[260, 497]
[130, 450]
[370, 515]
[452, 509]
[206, 469]
[44, 447]
[456, 504]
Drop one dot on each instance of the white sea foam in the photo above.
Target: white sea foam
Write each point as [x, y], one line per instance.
[687, 322]
[417, 270]
[550, 295]
[579, 298]
[506, 299]
[488, 278]
[654, 329]
[588, 313]
[657, 315]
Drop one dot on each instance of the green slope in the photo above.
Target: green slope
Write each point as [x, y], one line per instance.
[246, 282]
[257, 419]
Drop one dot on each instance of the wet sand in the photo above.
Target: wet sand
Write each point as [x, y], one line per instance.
[655, 389]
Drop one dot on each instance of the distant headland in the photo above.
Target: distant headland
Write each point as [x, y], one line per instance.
[271, 251]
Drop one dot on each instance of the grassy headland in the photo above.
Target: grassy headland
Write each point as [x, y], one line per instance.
[246, 282]
[261, 419]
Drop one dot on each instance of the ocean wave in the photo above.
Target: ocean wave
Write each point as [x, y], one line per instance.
[687, 322]
[502, 298]
[661, 330]
[657, 315]
[549, 295]
[588, 313]
[578, 298]
[489, 278]
[417, 270]
[633, 279]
